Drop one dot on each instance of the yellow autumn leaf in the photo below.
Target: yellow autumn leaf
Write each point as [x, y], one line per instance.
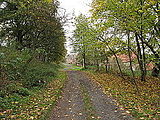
[48, 1]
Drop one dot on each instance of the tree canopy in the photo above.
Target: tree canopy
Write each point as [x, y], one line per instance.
[125, 27]
[33, 25]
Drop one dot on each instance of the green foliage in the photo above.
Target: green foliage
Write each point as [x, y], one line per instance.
[20, 75]
[34, 25]
[86, 43]
[31, 47]
[137, 73]
[35, 106]
[2, 93]
[37, 74]
[15, 68]
[23, 91]
[119, 27]
[12, 88]
[12, 64]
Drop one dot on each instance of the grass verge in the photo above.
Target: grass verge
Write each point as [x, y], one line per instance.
[37, 105]
[143, 106]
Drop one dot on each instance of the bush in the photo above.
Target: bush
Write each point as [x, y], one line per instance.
[23, 91]
[12, 64]
[12, 88]
[2, 93]
[15, 67]
[19, 76]
[38, 74]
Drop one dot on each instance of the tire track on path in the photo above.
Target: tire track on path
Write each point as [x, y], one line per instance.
[104, 106]
[71, 106]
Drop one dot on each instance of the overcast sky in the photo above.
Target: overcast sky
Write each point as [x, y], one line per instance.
[77, 7]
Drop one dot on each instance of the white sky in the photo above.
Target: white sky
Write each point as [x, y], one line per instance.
[77, 7]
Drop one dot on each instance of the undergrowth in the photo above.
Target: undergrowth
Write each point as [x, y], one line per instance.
[28, 86]
[34, 106]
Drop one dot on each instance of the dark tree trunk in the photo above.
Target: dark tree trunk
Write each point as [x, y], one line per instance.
[140, 49]
[129, 54]
[19, 40]
[140, 58]
[120, 70]
[107, 65]
[156, 71]
[144, 57]
[97, 64]
[131, 66]
[119, 67]
[142, 42]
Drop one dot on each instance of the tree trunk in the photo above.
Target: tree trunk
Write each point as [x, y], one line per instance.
[97, 64]
[142, 42]
[106, 65]
[131, 66]
[156, 71]
[119, 67]
[129, 54]
[120, 70]
[140, 58]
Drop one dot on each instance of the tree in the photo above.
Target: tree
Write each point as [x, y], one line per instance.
[80, 38]
[34, 25]
[139, 18]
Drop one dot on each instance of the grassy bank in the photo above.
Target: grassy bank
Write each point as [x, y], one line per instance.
[28, 86]
[36, 105]
[142, 105]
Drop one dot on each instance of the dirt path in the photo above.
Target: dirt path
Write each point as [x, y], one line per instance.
[74, 106]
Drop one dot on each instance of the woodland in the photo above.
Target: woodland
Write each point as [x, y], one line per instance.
[32, 46]
[118, 27]
[123, 27]
[32, 50]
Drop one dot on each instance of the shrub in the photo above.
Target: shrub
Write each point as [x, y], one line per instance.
[38, 74]
[12, 64]
[12, 88]
[23, 91]
[2, 93]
